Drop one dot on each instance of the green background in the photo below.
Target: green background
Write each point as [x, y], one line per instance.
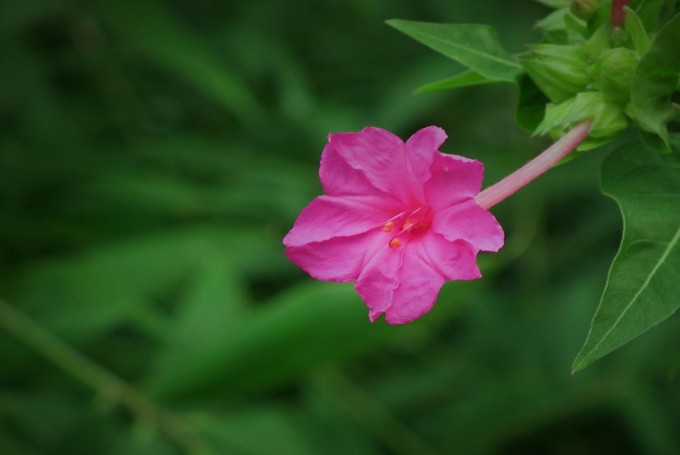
[152, 157]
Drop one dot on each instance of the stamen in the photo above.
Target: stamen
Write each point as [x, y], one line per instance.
[395, 243]
[388, 226]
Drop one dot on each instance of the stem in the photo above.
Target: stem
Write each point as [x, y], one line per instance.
[534, 168]
[105, 382]
[618, 15]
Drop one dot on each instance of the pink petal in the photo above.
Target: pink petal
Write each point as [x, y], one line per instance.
[403, 283]
[338, 259]
[419, 284]
[327, 217]
[454, 179]
[468, 221]
[455, 260]
[372, 155]
[378, 280]
[338, 178]
[421, 149]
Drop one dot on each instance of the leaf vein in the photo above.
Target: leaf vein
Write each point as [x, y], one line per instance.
[658, 264]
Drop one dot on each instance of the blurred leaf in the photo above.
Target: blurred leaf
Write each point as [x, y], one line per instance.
[644, 280]
[475, 46]
[304, 328]
[655, 80]
[649, 10]
[166, 41]
[93, 292]
[553, 26]
[213, 307]
[256, 431]
[637, 31]
[463, 79]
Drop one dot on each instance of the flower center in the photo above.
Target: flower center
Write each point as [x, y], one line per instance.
[409, 223]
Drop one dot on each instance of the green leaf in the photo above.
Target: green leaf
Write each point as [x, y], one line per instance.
[475, 46]
[644, 281]
[256, 431]
[655, 80]
[554, 27]
[464, 79]
[244, 357]
[212, 308]
[637, 32]
[649, 10]
[559, 70]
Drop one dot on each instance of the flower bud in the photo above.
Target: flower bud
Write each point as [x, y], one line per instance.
[613, 73]
[584, 9]
[558, 70]
[608, 118]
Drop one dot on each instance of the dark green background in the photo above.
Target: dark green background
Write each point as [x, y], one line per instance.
[152, 157]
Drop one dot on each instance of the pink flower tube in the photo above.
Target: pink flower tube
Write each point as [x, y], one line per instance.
[400, 219]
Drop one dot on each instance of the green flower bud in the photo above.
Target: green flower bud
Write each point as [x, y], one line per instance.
[584, 9]
[608, 118]
[613, 73]
[558, 70]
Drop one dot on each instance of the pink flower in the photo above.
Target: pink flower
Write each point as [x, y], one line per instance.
[398, 218]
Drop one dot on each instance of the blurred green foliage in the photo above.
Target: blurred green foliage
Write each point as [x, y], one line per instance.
[152, 157]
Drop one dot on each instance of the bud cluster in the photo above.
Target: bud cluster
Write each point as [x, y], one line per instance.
[586, 72]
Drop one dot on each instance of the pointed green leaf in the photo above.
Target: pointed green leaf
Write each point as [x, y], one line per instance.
[655, 80]
[644, 281]
[475, 46]
[464, 79]
[649, 10]
[637, 31]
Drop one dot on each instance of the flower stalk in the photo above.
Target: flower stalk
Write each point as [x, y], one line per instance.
[618, 15]
[534, 168]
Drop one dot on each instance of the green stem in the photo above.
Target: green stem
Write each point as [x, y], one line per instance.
[103, 381]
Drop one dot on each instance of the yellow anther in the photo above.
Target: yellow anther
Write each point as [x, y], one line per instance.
[395, 243]
[388, 226]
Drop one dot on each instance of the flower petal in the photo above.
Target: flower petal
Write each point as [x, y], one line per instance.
[378, 280]
[454, 179]
[419, 285]
[403, 283]
[338, 259]
[455, 260]
[468, 221]
[327, 217]
[421, 149]
[373, 153]
[338, 178]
